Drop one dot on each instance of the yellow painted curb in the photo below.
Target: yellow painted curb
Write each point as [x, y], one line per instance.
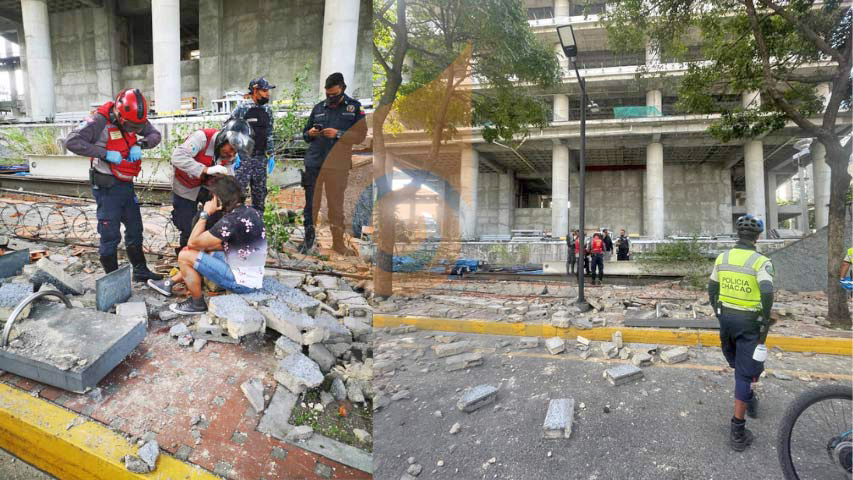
[36, 431]
[835, 346]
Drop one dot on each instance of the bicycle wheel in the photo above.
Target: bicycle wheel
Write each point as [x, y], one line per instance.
[815, 439]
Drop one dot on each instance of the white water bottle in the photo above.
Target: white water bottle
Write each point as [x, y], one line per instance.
[760, 353]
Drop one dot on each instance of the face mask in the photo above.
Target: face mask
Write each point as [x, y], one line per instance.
[334, 99]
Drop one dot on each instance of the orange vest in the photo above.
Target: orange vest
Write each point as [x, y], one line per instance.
[121, 142]
[201, 157]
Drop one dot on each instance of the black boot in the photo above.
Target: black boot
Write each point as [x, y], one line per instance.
[109, 262]
[308, 242]
[740, 437]
[140, 267]
[752, 406]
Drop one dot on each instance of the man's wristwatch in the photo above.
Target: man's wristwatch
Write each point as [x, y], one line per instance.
[203, 215]
[339, 134]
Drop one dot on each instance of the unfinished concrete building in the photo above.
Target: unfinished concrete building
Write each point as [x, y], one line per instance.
[651, 169]
[62, 56]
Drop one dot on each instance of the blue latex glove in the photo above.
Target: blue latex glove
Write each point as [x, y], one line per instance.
[113, 156]
[270, 164]
[236, 161]
[135, 154]
[847, 284]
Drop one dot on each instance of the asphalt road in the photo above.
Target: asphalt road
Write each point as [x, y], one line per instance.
[13, 468]
[672, 425]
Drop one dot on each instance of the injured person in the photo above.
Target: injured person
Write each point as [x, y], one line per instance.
[231, 253]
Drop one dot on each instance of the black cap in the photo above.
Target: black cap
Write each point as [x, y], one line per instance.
[261, 83]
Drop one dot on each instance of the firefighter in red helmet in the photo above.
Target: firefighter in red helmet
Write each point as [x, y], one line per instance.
[113, 138]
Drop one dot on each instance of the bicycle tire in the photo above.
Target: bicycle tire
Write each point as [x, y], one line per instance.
[793, 412]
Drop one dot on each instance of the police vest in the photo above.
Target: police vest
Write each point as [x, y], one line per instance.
[121, 142]
[201, 157]
[737, 272]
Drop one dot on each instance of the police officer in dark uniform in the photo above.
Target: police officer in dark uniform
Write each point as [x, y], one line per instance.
[252, 172]
[741, 292]
[113, 137]
[335, 125]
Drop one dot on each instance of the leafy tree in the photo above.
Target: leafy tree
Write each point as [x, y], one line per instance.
[451, 43]
[784, 50]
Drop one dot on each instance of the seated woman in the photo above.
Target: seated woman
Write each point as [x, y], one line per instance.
[231, 253]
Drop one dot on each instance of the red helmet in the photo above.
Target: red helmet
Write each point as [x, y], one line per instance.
[132, 109]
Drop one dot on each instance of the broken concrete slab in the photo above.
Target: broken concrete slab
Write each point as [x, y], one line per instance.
[299, 434]
[477, 397]
[135, 464]
[455, 348]
[12, 263]
[253, 389]
[179, 329]
[296, 325]
[528, 342]
[320, 354]
[149, 453]
[275, 420]
[113, 288]
[583, 341]
[336, 332]
[11, 294]
[463, 361]
[358, 328]
[558, 419]
[53, 274]
[298, 373]
[623, 374]
[609, 349]
[675, 355]
[327, 281]
[294, 298]
[212, 333]
[132, 309]
[555, 345]
[561, 319]
[642, 359]
[285, 346]
[239, 317]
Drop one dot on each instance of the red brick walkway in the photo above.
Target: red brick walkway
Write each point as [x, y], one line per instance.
[161, 386]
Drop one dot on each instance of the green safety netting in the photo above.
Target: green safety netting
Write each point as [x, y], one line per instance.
[634, 112]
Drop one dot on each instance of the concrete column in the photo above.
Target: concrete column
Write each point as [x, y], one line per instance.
[209, 40]
[772, 206]
[506, 202]
[408, 65]
[560, 191]
[654, 98]
[340, 37]
[469, 171]
[12, 78]
[820, 182]
[39, 59]
[166, 39]
[106, 40]
[753, 159]
[562, 8]
[655, 215]
[561, 101]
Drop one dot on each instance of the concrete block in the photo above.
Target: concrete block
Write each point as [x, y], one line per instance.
[290, 279]
[561, 320]
[285, 346]
[558, 419]
[583, 341]
[338, 349]
[354, 391]
[297, 326]
[253, 389]
[198, 344]
[455, 348]
[477, 397]
[212, 333]
[609, 349]
[536, 314]
[642, 359]
[358, 328]
[277, 414]
[295, 299]
[623, 374]
[298, 373]
[13, 263]
[336, 331]
[299, 434]
[132, 309]
[463, 361]
[528, 342]
[149, 453]
[555, 345]
[11, 294]
[338, 389]
[675, 355]
[327, 282]
[179, 329]
[320, 354]
[53, 274]
[617, 339]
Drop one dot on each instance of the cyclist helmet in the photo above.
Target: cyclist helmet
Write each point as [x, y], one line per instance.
[236, 132]
[748, 224]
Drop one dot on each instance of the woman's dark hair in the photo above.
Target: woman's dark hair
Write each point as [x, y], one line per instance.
[229, 192]
[596, 234]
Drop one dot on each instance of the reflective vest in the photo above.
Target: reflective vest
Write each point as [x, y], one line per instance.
[121, 142]
[597, 246]
[849, 258]
[201, 157]
[737, 272]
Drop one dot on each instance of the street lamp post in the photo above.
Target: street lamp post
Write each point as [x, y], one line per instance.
[570, 49]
